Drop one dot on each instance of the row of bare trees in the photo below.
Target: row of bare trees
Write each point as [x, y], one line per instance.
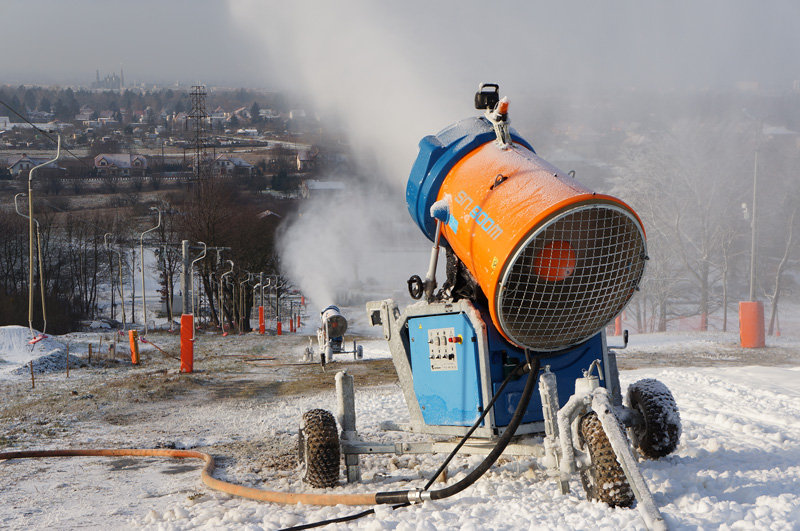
[82, 274]
[692, 184]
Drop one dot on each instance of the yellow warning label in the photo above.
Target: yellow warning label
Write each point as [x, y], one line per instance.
[495, 261]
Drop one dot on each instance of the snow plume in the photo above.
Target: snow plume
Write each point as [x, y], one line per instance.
[381, 96]
[347, 247]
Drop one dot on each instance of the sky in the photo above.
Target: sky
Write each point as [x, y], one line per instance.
[543, 44]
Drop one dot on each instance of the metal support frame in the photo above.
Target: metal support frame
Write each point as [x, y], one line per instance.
[566, 459]
[141, 253]
[222, 296]
[243, 300]
[121, 285]
[191, 284]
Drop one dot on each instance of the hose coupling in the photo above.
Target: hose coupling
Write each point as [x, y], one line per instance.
[415, 495]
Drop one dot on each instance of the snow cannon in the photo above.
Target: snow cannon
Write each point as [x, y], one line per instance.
[333, 320]
[537, 265]
[330, 337]
[554, 260]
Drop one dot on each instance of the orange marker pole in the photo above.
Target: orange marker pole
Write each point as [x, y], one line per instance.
[618, 325]
[751, 324]
[291, 323]
[278, 327]
[298, 322]
[261, 323]
[133, 336]
[187, 345]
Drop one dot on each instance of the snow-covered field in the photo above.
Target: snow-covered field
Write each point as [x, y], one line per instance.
[737, 465]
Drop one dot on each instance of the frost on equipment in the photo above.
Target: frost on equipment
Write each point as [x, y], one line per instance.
[537, 266]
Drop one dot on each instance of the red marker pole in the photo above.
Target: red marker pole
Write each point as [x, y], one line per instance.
[133, 336]
[187, 345]
[261, 323]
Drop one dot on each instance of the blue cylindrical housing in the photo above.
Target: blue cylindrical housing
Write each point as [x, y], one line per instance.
[437, 156]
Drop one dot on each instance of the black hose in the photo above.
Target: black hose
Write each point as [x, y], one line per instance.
[404, 496]
[474, 427]
[487, 463]
[341, 519]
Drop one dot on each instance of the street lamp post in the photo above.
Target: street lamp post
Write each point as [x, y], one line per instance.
[30, 238]
[751, 313]
[41, 272]
[754, 232]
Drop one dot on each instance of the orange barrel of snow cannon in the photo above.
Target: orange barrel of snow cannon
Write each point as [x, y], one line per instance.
[555, 260]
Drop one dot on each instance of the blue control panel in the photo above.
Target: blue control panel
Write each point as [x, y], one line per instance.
[444, 361]
[447, 375]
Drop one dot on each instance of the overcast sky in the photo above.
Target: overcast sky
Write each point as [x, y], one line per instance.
[691, 43]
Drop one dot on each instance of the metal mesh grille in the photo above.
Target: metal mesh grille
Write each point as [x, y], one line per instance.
[549, 300]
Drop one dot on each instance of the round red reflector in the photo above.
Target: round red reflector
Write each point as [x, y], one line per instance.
[555, 262]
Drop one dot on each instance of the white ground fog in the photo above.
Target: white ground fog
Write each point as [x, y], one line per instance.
[737, 465]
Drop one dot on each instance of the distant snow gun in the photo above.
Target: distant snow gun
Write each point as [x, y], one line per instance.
[537, 266]
[330, 338]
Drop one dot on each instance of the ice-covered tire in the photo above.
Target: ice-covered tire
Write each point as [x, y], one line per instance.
[603, 480]
[660, 432]
[318, 448]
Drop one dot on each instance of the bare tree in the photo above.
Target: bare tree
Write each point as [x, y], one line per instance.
[778, 285]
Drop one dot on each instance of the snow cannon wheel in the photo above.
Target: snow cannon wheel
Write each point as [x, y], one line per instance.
[318, 448]
[603, 480]
[660, 432]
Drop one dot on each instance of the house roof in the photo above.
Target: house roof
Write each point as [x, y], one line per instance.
[16, 159]
[120, 160]
[241, 163]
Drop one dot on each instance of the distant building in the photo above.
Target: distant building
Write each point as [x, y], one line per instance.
[218, 118]
[110, 82]
[120, 164]
[243, 113]
[306, 160]
[20, 165]
[230, 165]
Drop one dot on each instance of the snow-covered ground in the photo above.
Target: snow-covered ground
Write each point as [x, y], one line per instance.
[737, 465]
